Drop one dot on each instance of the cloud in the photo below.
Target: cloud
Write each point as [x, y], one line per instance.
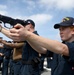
[3, 9]
[3, 12]
[57, 37]
[40, 19]
[65, 5]
[30, 4]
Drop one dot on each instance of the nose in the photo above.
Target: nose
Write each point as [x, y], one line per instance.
[61, 31]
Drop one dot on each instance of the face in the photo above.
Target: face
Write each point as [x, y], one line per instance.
[65, 33]
[29, 27]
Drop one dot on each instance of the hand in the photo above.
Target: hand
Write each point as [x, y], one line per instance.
[1, 54]
[19, 33]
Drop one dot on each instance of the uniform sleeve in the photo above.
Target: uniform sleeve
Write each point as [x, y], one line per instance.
[71, 51]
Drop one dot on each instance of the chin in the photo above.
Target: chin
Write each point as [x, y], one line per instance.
[63, 39]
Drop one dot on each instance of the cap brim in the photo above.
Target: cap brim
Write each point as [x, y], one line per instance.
[56, 26]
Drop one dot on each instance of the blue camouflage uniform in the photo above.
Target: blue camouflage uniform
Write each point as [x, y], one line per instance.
[30, 60]
[7, 54]
[15, 65]
[63, 65]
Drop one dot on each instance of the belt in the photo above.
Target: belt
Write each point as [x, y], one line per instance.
[34, 61]
[27, 62]
[17, 60]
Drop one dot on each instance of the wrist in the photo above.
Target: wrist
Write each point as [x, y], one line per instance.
[27, 35]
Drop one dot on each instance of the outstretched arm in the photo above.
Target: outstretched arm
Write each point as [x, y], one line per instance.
[38, 48]
[52, 45]
[5, 31]
[13, 45]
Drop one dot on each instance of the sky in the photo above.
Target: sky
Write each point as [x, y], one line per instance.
[45, 13]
